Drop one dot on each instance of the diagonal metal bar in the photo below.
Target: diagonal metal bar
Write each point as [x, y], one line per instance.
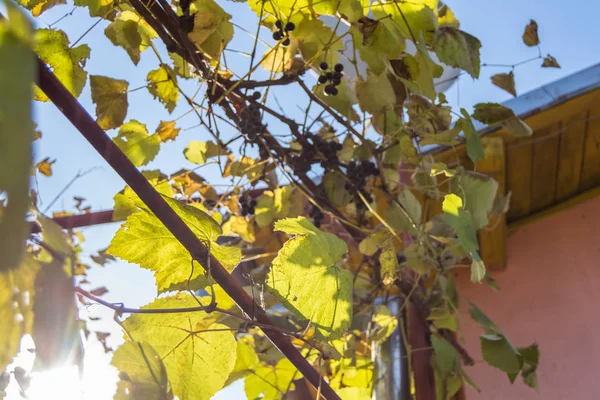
[86, 125]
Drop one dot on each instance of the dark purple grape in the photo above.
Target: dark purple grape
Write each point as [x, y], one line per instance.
[290, 26]
[329, 90]
[322, 79]
[277, 36]
[334, 91]
[256, 95]
[338, 67]
[286, 42]
[323, 66]
[329, 75]
[337, 75]
[278, 24]
[336, 82]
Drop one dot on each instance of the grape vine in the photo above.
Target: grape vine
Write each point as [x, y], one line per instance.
[272, 266]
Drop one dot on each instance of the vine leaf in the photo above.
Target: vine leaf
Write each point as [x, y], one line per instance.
[17, 292]
[110, 97]
[376, 43]
[198, 355]
[55, 328]
[420, 15]
[270, 381]
[17, 71]
[477, 268]
[97, 8]
[335, 183]
[37, 7]
[140, 147]
[162, 83]
[314, 36]
[342, 103]
[500, 353]
[491, 113]
[428, 70]
[166, 131]
[404, 220]
[475, 149]
[44, 166]
[132, 33]
[478, 193]
[505, 82]
[240, 226]
[385, 324]
[550, 62]
[460, 220]
[171, 262]
[142, 372]
[199, 152]
[354, 393]
[375, 94]
[246, 360]
[212, 29]
[304, 277]
[182, 68]
[458, 49]
[127, 201]
[530, 36]
[446, 357]
[67, 63]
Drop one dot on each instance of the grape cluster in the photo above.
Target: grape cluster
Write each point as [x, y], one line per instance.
[316, 215]
[302, 163]
[283, 32]
[331, 78]
[328, 149]
[246, 205]
[358, 172]
[251, 120]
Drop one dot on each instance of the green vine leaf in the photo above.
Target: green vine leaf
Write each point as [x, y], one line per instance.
[492, 113]
[458, 49]
[110, 97]
[343, 102]
[475, 149]
[460, 220]
[140, 147]
[269, 382]
[127, 202]
[37, 7]
[421, 16]
[198, 355]
[17, 292]
[97, 8]
[67, 63]
[446, 357]
[142, 372]
[385, 323]
[428, 70]
[478, 193]
[199, 152]
[376, 43]
[55, 329]
[162, 84]
[500, 353]
[17, 71]
[246, 360]
[354, 393]
[375, 94]
[171, 262]
[132, 33]
[305, 279]
[212, 29]
[318, 42]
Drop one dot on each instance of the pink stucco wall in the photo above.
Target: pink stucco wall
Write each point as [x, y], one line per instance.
[550, 294]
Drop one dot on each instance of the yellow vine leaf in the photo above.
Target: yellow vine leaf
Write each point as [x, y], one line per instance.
[67, 63]
[110, 97]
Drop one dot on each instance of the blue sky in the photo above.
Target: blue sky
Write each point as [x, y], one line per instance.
[568, 30]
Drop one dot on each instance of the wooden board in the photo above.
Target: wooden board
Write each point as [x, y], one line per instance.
[590, 170]
[570, 158]
[492, 238]
[544, 167]
[519, 161]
